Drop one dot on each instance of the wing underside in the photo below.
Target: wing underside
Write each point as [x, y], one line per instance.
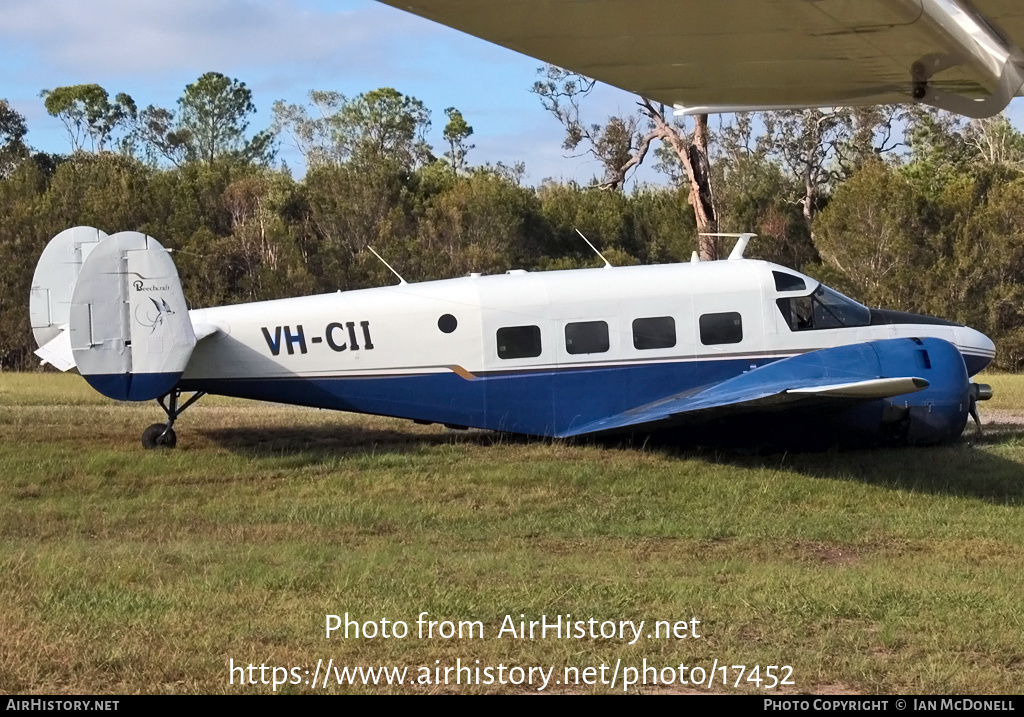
[839, 378]
[729, 55]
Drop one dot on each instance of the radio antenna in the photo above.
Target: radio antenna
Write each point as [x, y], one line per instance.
[606, 264]
[400, 279]
[741, 242]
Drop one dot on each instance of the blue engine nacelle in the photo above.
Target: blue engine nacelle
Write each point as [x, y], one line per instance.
[777, 405]
[934, 415]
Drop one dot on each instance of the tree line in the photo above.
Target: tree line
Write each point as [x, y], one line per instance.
[908, 209]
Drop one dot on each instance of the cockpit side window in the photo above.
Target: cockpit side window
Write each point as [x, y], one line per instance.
[823, 309]
[798, 312]
[788, 282]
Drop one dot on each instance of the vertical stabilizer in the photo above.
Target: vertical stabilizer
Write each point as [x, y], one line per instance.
[49, 304]
[131, 335]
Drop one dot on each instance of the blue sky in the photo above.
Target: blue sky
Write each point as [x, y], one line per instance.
[282, 49]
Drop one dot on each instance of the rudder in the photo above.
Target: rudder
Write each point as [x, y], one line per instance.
[130, 332]
[52, 286]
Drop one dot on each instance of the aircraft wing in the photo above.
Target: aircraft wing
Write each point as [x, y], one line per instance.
[731, 55]
[840, 377]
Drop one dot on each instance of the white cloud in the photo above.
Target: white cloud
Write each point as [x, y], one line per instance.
[115, 38]
[281, 49]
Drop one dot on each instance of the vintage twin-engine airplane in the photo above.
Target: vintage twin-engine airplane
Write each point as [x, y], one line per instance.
[560, 353]
[571, 353]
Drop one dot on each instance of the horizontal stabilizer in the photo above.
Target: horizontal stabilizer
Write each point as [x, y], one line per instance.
[57, 352]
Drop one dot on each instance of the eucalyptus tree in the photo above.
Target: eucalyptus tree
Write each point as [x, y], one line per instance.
[213, 122]
[820, 148]
[12, 133]
[158, 137]
[456, 132]
[623, 143]
[380, 125]
[88, 114]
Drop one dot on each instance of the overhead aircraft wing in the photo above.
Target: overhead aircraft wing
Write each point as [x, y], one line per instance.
[840, 377]
[705, 56]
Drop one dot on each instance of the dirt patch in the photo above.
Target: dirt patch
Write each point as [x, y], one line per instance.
[825, 553]
[999, 417]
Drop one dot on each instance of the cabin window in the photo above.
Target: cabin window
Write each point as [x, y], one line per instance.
[788, 282]
[447, 323]
[823, 309]
[586, 337]
[516, 342]
[726, 328]
[658, 332]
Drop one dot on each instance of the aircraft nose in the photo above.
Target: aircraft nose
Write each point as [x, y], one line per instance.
[977, 349]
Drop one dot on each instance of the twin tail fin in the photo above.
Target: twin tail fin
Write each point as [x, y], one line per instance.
[113, 307]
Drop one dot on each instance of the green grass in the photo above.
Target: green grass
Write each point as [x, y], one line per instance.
[1009, 390]
[124, 570]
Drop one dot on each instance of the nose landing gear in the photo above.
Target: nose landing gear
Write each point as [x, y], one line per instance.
[161, 435]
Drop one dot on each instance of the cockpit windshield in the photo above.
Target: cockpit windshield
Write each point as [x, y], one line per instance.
[823, 309]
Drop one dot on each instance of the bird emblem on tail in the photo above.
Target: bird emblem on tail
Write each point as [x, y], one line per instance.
[152, 320]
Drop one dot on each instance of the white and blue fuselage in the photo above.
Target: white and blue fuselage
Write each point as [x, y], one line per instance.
[538, 353]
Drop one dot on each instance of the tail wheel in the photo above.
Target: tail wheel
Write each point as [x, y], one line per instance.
[159, 435]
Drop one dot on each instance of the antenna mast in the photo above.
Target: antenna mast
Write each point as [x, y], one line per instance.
[400, 279]
[741, 242]
[606, 264]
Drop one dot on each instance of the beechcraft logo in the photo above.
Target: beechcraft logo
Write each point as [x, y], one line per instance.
[152, 318]
[139, 286]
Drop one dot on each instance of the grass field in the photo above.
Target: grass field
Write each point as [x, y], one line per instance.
[124, 570]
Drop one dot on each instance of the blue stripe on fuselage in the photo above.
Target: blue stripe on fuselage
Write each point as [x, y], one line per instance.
[548, 402]
[542, 403]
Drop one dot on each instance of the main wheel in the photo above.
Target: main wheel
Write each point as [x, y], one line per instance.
[155, 437]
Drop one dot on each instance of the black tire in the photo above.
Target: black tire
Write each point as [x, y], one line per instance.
[154, 437]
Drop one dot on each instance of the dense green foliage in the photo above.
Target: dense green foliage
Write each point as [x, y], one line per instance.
[936, 230]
